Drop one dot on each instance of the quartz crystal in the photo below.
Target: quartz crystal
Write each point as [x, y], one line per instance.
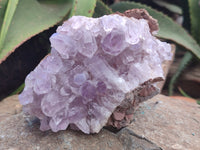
[98, 69]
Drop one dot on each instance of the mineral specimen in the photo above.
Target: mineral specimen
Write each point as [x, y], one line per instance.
[97, 71]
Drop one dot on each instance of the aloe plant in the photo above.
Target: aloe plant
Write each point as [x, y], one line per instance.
[30, 18]
[194, 14]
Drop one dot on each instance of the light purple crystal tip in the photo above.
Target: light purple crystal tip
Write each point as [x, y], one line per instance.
[93, 64]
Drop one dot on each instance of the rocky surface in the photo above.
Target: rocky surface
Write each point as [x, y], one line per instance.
[9, 106]
[170, 124]
[21, 133]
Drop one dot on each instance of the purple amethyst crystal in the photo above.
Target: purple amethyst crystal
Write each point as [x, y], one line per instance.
[98, 69]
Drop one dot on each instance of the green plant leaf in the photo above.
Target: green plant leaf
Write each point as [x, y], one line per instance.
[83, 8]
[168, 28]
[32, 17]
[18, 90]
[194, 10]
[101, 9]
[169, 6]
[183, 92]
[185, 60]
[3, 4]
[10, 10]
[198, 102]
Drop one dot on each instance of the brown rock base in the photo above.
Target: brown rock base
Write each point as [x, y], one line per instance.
[171, 124]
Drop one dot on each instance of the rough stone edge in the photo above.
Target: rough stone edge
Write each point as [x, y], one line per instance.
[142, 14]
[123, 114]
[131, 140]
[166, 66]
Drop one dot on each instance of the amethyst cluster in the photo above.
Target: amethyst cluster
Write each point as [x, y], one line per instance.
[94, 64]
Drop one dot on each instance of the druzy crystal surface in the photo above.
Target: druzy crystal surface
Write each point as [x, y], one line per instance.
[94, 65]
